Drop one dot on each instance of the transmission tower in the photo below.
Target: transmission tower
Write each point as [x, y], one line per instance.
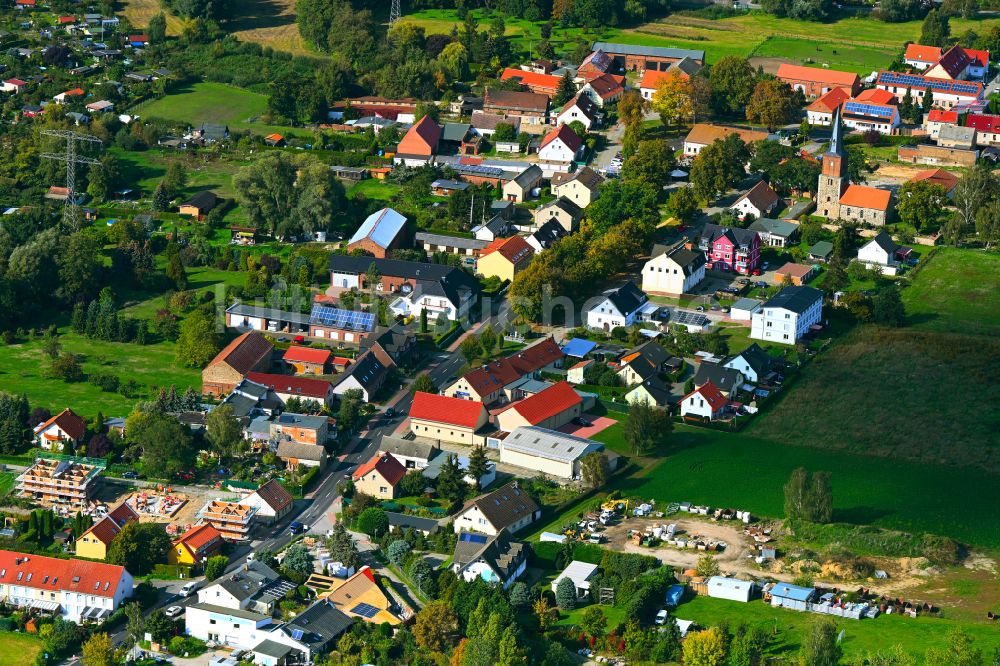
[71, 211]
[394, 12]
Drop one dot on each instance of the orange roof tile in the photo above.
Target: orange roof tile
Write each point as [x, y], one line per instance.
[862, 196]
[421, 139]
[566, 135]
[514, 249]
[829, 102]
[199, 536]
[876, 96]
[945, 179]
[712, 395]
[921, 53]
[533, 80]
[298, 386]
[815, 74]
[70, 423]
[386, 465]
[307, 354]
[50, 573]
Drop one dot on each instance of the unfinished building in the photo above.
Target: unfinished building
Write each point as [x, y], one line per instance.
[63, 482]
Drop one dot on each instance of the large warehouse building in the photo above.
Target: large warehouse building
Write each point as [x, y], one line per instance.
[549, 451]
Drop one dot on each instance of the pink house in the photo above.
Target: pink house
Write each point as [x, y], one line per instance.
[731, 249]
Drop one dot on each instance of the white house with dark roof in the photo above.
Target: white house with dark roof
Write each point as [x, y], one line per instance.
[673, 269]
[559, 149]
[621, 306]
[786, 317]
[759, 201]
[506, 508]
[494, 559]
[582, 109]
[753, 363]
[546, 235]
[880, 253]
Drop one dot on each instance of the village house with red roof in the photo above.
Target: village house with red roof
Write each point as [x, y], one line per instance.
[287, 387]
[379, 476]
[419, 144]
[65, 427]
[759, 201]
[447, 419]
[504, 258]
[94, 543]
[307, 360]
[195, 546]
[552, 408]
[705, 402]
[559, 149]
[821, 111]
[486, 383]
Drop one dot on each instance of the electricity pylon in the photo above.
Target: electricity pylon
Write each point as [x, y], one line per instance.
[71, 211]
[394, 12]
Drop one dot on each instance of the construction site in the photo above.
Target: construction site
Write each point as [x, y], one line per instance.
[65, 483]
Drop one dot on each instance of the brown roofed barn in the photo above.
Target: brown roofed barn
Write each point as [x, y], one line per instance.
[247, 353]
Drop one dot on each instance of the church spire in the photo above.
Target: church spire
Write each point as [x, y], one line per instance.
[836, 146]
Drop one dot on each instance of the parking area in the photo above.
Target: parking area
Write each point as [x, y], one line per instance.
[597, 424]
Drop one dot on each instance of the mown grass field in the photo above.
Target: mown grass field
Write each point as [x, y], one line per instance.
[860, 636]
[18, 649]
[208, 102]
[749, 472]
[956, 291]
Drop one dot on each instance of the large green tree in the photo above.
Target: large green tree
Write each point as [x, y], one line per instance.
[733, 80]
[139, 547]
[772, 104]
[223, 431]
[646, 428]
[718, 167]
[198, 342]
[820, 646]
[165, 443]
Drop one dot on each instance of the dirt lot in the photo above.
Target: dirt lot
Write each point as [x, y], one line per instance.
[770, 65]
[733, 558]
[899, 174]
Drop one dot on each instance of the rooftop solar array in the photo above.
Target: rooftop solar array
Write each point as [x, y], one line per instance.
[472, 538]
[297, 634]
[343, 319]
[478, 169]
[939, 85]
[689, 318]
[365, 610]
[876, 110]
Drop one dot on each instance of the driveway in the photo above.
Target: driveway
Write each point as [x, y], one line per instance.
[613, 138]
[598, 423]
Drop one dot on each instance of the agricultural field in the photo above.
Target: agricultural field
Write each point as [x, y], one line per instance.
[860, 636]
[855, 44]
[208, 102]
[935, 361]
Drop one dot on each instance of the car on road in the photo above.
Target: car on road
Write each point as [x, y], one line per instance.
[130, 475]
[295, 527]
[173, 611]
[189, 588]
[390, 412]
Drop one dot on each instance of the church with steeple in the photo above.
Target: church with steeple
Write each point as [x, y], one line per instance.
[837, 198]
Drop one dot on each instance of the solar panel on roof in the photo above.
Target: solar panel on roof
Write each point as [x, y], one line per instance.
[692, 318]
[878, 111]
[337, 318]
[940, 85]
[365, 610]
[472, 538]
[297, 634]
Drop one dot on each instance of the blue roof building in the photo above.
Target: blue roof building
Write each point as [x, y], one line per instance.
[578, 347]
[382, 231]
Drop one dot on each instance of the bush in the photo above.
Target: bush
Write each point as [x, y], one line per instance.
[373, 521]
[397, 552]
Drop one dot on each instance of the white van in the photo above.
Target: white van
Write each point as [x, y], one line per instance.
[189, 588]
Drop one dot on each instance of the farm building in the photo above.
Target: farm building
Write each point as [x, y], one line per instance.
[786, 595]
[552, 408]
[549, 451]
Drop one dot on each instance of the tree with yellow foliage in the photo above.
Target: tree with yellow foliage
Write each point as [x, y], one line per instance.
[672, 99]
[705, 648]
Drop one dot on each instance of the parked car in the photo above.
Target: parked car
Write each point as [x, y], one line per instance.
[390, 412]
[173, 611]
[661, 617]
[130, 475]
[580, 421]
[295, 527]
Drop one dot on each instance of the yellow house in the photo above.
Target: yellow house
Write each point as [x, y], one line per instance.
[504, 258]
[93, 544]
[195, 545]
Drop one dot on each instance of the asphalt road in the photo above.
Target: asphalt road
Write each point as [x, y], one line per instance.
[313, 512]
